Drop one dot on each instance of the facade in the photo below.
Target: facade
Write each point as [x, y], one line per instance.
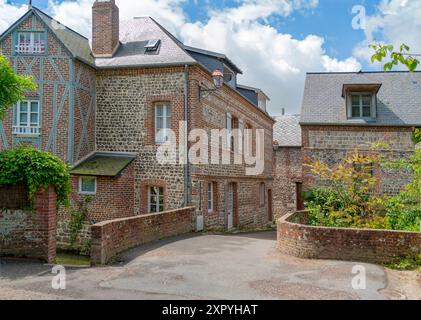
[288, 165]
[106, 111]
[345, 111]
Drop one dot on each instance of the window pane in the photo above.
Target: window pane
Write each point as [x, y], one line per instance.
[168, 111]
[34, 119]
[356, 112]
[366, 112]
[366, 100]
[24, 106]
[23, 119]
[159, 111]
[153, 208]
[34, 106]
[88, 184]
[355, 100]
[159, 123]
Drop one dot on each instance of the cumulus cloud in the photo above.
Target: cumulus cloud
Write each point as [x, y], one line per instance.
[270, 59]
[10, 13]
[395, 22]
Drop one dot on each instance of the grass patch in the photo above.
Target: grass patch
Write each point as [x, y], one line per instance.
[72, 260]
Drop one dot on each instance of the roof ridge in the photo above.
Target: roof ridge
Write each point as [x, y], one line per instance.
[48, 16]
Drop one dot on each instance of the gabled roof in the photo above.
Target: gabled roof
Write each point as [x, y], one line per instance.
[75, 43]
[398, 98]
[287, 131]
[134, 35]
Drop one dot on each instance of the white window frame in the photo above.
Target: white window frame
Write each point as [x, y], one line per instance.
[29, 128]
[160, 197]
[87, 192]
[372, 105]
[166, 122]
[210, 197]
[30, 46]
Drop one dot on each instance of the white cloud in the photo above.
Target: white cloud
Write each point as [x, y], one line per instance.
[395, 22]
[271, 60]
[10, 13]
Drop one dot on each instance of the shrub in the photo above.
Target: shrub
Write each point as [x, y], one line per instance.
[37, 170]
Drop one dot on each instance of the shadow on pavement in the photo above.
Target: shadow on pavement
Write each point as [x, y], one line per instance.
[11, 269]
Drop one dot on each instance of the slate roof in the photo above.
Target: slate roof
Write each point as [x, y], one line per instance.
[134, 35]
[287, 131]
[108, 164]
[398, 100]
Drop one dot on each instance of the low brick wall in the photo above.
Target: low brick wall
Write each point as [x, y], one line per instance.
[28, 233]
[298, 239]
[112, 237]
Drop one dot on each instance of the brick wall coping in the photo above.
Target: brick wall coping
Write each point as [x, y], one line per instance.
[104, 223]
[297, 238]
[109, 238]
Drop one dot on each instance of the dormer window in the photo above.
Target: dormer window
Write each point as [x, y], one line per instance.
[31, 43]
[361, 100]
[152, 45]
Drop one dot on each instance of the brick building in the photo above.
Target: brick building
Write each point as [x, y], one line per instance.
[106, 110]
[288, 165]
[344, 111]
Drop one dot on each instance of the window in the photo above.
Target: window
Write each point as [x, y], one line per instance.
[360, 105]
[27, 118]
[210, 197]
[262, 194]
[162, 123]
[156, 199]
[31, 43]
[87, 185]
[153, 45]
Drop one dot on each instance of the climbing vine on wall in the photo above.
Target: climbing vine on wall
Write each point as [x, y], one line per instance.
[37, 170]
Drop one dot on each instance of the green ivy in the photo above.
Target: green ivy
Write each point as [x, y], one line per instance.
[77, 218]
[37, 170]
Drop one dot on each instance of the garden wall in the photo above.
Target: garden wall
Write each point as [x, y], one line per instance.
[112, 237]
[28, 233]
[297, 238]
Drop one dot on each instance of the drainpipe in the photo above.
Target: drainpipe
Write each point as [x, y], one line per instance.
[186, 152]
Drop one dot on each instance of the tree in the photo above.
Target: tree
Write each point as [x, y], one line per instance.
[12, 86]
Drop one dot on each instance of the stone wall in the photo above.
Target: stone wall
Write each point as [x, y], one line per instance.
[29, 233]
[288, 172]
[298, 239]
[110, 238]
[330, 144]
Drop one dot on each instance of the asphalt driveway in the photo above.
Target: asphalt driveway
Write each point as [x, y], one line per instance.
[245, 266]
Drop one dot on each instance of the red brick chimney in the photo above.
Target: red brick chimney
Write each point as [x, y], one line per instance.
[105, 28]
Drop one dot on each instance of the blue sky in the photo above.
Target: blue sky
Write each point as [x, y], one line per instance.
[340, 40]
[275, 42]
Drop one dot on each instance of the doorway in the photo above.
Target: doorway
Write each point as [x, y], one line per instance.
[270, 206]
[232, 207]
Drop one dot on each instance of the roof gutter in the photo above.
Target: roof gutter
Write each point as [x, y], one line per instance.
[344, 124]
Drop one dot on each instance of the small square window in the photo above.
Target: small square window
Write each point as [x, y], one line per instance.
[87, 185]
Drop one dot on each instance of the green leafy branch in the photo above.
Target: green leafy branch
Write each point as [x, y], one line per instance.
[403, 56]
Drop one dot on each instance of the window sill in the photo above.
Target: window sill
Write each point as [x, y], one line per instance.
[27, 135]
[87, 193]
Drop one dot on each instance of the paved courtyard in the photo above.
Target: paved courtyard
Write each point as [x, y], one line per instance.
[245, 266]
